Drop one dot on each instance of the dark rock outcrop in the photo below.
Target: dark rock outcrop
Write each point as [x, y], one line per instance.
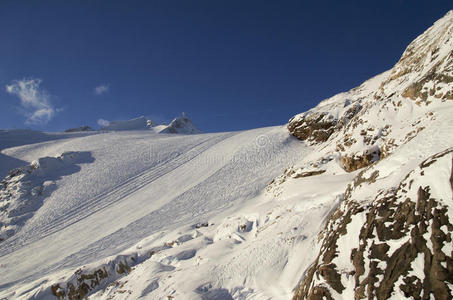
[85, 281]
[312, 127]
[317, 126]
[358, 161]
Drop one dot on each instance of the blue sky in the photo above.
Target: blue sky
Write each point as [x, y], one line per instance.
[229, 65]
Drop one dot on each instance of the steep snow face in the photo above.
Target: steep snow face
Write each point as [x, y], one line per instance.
[182, 125]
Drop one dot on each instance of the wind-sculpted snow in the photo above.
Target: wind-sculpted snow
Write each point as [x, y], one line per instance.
[88, 202]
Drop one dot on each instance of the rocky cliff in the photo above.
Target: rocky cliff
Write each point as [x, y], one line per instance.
[391, 236]
[367, 123]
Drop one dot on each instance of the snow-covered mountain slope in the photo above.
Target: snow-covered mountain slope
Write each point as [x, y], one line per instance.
[370, 121]
[360, 208]
[138, 191]
[391, 236]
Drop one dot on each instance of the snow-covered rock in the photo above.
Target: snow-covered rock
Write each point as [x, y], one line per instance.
[391, 236]
[368, 122]
[397, 245]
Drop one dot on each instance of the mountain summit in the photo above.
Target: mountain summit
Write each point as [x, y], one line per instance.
[181, 125]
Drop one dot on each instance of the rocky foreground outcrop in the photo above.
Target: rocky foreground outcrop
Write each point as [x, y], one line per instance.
[391, 235]
[399, 244]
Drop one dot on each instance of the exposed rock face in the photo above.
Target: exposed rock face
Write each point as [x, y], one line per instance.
[429, 58]
[351, 123]
[313, 127]
[309, 173]
[90, 279]
[391, 236]
[398, 245]
[318, 126]
[358, 161]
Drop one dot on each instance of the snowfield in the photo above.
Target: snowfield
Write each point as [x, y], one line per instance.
[128, 192]
[353, 200]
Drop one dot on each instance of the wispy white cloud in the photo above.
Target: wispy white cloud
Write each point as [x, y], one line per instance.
[103, 123]
[101, 89]
[34, 100]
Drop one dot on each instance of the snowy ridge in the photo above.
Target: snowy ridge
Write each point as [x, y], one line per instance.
[180, 125]
[394, 246]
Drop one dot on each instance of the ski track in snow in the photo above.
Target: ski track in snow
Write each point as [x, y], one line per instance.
[190, 179]
[111, 196]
